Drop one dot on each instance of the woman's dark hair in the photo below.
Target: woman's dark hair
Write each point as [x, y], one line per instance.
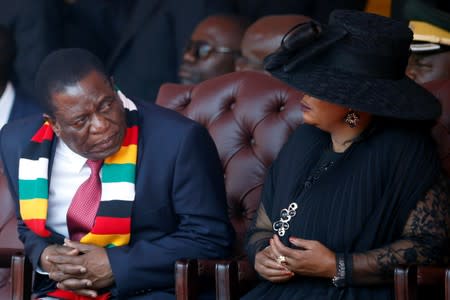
[63, 68]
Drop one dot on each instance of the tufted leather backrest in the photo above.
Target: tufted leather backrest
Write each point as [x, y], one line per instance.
[441, 131]
[9, 240]
[250, 116]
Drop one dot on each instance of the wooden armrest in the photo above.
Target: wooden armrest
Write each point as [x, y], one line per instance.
[189, 273]
[227, 280]
[21, 278]
[6, 254]
[408, 278]
[430, 275]
[231, 278]
[186, 279]
[405, 282]
[234, 278]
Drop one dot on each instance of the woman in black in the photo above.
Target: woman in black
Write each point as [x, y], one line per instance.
[357, 189]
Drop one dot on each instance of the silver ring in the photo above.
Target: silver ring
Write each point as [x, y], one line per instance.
[281, 259]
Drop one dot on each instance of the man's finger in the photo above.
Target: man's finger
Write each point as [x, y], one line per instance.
[84, 248]
[74, 284]
[64, 259]
[86, 292]
[69, 270]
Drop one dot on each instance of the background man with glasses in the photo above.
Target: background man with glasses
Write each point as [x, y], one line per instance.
[213, 48]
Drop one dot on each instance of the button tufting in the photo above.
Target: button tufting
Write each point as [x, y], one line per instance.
[232, 105]
[281, 108]
[252, 141]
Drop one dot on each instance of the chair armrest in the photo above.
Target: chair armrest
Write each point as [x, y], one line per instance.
[234, 278]
[430, 275]
[189, 273]
[405, 282]
[231, 278]
[6, 254]
[186, 279]
[227, 280]
[408, 278]
[21, 277]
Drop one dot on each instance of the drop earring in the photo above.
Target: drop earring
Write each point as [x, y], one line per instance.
[352, 118]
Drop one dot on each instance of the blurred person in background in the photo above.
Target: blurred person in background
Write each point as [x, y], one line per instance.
[430, 52]
[213, 48]
[264, 37]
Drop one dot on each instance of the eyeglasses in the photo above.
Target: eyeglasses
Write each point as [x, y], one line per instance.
[202, 49]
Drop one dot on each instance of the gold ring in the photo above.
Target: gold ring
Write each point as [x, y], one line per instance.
[281, 259]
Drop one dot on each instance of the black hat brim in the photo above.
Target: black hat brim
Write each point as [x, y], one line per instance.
[401, 99]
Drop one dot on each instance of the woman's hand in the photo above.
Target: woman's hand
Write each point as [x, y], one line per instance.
[312, 259]
[267, 266]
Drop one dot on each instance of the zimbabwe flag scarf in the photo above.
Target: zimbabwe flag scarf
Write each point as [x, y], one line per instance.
[113, 221]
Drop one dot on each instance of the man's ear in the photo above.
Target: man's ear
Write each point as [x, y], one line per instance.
[53, 124]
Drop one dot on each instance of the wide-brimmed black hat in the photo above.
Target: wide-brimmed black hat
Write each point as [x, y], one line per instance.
[358, 61]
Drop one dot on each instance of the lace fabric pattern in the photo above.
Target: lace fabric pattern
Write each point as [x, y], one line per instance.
[425, 239]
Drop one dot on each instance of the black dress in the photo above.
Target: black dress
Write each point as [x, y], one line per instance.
[357, 203]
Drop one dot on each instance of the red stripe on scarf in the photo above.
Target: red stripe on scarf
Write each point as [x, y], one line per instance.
[44, 133]
[131, 136]
[68, 295]
[111, 225]
[38, 227]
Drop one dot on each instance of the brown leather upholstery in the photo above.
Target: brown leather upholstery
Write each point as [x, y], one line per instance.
[250, 116]
[427, 282]
[10, 244]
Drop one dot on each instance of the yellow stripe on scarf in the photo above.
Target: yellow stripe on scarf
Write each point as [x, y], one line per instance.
[103, 240]
[35, 208]
[125, 155]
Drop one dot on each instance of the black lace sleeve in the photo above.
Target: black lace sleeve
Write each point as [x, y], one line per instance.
[260, 231]
[425, 240]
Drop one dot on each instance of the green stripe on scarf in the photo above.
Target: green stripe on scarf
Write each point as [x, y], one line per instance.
[29, 189]
[118, 173]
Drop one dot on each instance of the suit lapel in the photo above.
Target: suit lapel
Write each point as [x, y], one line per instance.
[142, 11]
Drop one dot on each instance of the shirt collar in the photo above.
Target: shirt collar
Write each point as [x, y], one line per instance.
[76, 161]
[6, 103]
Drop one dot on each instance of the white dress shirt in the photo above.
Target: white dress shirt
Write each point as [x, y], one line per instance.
[68, 172]
[6, 103]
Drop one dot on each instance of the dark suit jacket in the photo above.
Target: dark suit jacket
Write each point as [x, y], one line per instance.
[23, 107]
[179, 209]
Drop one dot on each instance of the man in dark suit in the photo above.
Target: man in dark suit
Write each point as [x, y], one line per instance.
[13, 103]
[158, 196]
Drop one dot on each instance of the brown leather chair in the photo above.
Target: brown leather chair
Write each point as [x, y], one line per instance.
[250, 116]
[427, 282]
[15, 274]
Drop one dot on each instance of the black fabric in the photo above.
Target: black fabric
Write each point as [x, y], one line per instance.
[365, 78]
[361, 203]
